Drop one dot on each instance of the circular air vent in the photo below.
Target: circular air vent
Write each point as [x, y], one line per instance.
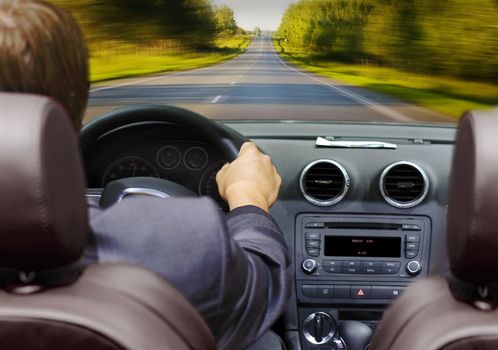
[404, 184]
[324, 182]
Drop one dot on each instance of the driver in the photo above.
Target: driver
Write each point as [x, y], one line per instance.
[233, 268]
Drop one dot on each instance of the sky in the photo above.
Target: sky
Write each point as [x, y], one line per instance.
[249, 14]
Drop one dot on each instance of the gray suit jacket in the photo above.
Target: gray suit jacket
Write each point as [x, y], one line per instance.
[233, 268]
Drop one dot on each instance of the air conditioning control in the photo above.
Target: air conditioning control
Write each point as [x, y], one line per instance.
[309, 266]
[319, 328]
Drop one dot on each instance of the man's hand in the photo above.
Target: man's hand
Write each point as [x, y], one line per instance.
[251, 179]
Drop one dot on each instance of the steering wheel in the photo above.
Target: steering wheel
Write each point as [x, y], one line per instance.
[227, 140]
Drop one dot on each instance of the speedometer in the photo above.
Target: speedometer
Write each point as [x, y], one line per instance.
[128, 167]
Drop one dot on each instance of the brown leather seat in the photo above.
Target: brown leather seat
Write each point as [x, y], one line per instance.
[459, 312]
[47, 299]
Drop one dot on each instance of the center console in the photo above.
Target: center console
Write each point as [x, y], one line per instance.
[350, 267]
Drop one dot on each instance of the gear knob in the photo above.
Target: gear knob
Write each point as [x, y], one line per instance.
[356, 335]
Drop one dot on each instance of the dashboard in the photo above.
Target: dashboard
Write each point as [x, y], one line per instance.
[385, 206]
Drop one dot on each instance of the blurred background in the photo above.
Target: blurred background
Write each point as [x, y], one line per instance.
[439, 54]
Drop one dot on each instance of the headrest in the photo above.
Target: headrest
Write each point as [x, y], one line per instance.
[43, 214]
[473, 200]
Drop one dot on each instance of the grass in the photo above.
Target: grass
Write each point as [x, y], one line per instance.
[446, 95]
[120, 62]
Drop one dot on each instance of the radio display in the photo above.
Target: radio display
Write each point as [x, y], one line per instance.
[358, 246]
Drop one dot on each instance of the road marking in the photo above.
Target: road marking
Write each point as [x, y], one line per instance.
[216, 99]
[145, 99]
[371, 104]
[125, 84]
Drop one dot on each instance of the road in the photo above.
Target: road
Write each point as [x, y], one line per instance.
[257, 85]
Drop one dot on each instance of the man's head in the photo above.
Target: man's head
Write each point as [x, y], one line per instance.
[42, 51]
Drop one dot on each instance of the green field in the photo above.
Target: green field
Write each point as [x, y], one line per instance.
[446, 95]
[123, 61]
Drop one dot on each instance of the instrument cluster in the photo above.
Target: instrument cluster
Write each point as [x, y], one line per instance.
[191, 164]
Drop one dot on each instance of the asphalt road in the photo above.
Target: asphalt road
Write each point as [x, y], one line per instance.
[257, 85]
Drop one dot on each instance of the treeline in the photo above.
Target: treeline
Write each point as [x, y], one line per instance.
[165, 23]
[450, 37]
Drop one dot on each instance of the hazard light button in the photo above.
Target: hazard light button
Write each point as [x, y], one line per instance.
[361, 292]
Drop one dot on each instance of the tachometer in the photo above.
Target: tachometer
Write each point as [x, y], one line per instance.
[128, 167]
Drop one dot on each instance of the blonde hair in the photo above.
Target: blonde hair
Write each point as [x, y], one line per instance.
[42, 51]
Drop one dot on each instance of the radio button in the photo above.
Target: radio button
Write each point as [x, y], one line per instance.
[341, 292]
[372, 270]
[395, 264]
[353, 270]
[412, 238]
[332, 263]
[332, 266]
[313, 252]
[325, 292]
[412, 246]
[391, 267]
[410, 254]
[309, 291]
[371, 264]
[332, 269]
[352, 263]
[313, 236]
[312, 244]
[361, 292]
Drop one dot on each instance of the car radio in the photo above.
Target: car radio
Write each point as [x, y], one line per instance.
[347, 258]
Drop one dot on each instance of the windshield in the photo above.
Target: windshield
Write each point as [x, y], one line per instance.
[334, 60]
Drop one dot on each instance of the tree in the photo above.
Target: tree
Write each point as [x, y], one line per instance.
[225, 21]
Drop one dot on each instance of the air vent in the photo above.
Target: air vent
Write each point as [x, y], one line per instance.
[404, 184]
[324, 182]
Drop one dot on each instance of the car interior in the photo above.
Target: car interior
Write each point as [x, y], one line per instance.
[380, 117]
[374, 214]
[363, 212]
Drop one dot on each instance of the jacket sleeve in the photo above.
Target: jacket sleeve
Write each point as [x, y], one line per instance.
[256, 284]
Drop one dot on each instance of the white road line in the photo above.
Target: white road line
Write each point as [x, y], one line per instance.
[216, 99]
[388, 112]
[166, 98]
[126, 84]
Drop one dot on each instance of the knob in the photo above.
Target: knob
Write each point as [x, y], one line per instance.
[309, 266]
[319, 328]
[413, 268]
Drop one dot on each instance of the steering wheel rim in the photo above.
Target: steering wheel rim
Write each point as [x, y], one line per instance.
[227, 140]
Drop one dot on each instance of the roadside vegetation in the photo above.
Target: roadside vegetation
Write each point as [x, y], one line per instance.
[137, 37]
[439, 54]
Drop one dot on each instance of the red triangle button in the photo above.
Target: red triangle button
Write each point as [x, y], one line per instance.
[360, 293]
